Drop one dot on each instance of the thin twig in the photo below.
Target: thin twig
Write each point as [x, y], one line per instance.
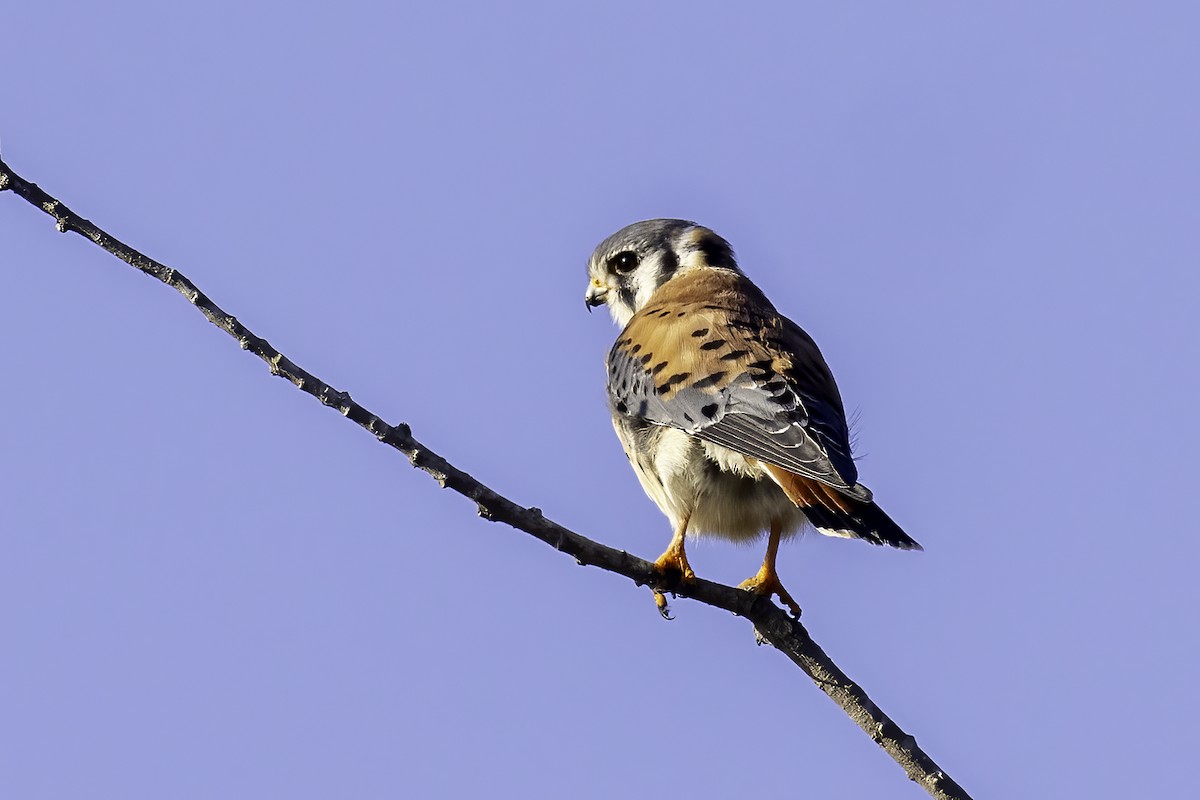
[771, 623]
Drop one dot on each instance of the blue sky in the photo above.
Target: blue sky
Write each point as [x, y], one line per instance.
[211, 586]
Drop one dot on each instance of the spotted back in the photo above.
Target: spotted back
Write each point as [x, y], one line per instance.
[710, 355]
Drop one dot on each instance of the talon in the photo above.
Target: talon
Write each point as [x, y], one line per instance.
[671, 563]
[660, 600]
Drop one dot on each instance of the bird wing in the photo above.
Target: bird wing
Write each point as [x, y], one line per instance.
[710, 355]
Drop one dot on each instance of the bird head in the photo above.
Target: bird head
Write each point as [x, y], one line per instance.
[627, 267]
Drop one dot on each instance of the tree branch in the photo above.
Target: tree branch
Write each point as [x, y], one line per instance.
[771, 623]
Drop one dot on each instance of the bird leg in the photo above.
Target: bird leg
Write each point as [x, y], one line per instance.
[673, 560]
[766, 582]
[675, 557]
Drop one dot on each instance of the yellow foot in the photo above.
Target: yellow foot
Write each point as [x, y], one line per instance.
[766, 583]
[675, 560]
[672, 561]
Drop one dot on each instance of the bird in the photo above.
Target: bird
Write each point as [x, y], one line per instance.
[725, 408]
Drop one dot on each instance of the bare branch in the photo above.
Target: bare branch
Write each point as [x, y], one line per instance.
[771, 623]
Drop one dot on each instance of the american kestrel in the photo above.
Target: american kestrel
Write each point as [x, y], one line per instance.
[725, 407]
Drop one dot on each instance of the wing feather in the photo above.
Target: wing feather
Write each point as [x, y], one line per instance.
[710, 355]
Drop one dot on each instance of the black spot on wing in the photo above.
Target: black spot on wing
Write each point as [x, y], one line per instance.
[768, 420]
[710, 381]
[678, 378]
[757, 412]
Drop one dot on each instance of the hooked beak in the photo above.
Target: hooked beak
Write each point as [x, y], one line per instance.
[597, 295]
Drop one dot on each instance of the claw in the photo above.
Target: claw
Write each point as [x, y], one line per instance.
[660, 600]
[671, 563]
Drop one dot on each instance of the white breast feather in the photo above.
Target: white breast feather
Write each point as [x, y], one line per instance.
[736, 501]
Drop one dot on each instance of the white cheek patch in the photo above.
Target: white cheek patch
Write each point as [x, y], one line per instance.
[646, 280]
[621, 313]
[644, 290]
[692, 259]
[643, 282]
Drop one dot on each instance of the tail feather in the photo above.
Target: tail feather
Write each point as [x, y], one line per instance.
[834, 513]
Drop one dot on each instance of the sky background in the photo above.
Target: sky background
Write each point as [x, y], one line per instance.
[988, 215]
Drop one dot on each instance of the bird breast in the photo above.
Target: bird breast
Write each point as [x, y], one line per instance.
[718, 491]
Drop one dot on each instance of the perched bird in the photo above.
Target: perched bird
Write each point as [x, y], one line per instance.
[726, 408]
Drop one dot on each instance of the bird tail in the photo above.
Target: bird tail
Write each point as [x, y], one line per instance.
[834, 513]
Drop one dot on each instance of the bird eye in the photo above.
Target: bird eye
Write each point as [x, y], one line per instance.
[624, 261]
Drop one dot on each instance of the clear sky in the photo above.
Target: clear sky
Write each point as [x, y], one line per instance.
[210, 586]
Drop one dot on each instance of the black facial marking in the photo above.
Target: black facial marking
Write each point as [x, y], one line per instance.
[626, 295]
[715, 344]
[717, 252]
[670, 263]
[621, 407]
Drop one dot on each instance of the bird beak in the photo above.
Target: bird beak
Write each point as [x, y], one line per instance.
[597, 295]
